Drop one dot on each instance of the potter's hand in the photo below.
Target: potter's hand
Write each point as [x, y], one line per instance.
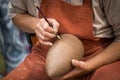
[80, 69]
[45, 33]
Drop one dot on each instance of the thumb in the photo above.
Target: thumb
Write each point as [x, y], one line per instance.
[78, 64]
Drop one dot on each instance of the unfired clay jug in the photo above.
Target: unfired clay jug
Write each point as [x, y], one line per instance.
[60, 55]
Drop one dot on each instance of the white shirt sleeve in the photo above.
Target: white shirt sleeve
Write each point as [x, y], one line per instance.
[17, 6]
[112, 11]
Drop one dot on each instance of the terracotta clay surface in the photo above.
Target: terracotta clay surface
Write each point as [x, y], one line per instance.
[58, 61]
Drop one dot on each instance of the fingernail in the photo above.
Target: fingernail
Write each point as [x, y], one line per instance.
[41, 41]
[74, 61]
[50, 44]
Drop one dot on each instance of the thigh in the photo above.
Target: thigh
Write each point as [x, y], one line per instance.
[33, 68]
[107, 72]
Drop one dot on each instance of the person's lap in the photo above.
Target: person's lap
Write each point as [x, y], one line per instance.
[107, 72]
[33, 68]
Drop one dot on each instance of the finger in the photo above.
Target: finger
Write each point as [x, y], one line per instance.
[55, 24]
[78, 64]
[71, 74]
[39, 29]
[50, 30]
[49, 35]
[43, 34]
[46, 26]
[46, 43]
[78, 69]
[42, 37]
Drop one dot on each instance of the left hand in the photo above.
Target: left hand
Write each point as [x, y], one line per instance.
[81, 68]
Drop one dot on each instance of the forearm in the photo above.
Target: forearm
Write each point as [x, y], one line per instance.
[26, 22]
[109, 55]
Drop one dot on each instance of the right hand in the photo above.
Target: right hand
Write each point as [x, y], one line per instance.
[45, 33]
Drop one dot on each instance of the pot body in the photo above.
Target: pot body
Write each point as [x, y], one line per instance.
[60, 55]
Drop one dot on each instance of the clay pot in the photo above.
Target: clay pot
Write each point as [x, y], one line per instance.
[58, 61]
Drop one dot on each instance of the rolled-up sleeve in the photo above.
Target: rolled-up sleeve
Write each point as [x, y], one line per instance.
[17, 6]
[112, 10]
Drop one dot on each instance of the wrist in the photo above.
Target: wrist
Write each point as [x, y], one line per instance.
[91, 65]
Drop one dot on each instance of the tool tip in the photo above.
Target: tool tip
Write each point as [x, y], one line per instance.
[58, 37]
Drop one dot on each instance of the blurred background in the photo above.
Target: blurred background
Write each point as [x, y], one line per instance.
[14, 44]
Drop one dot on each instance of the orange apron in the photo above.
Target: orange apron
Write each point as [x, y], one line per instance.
[77, 20]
